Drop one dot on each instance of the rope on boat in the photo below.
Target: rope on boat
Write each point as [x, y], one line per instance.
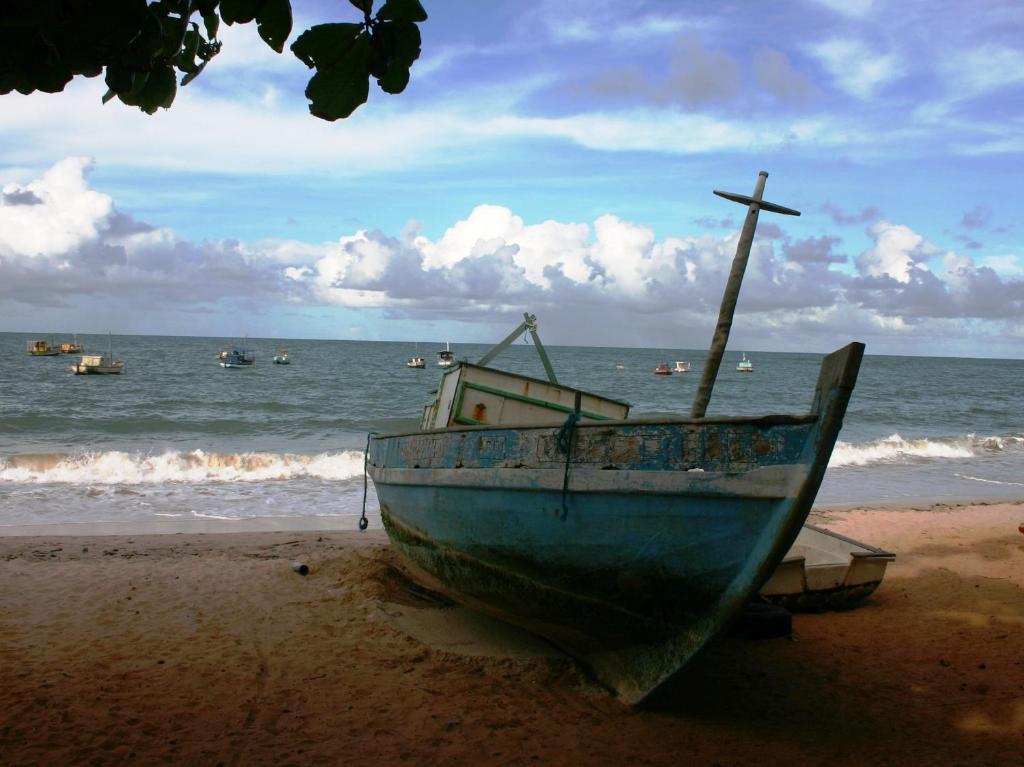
[363, 521]
[563, 439]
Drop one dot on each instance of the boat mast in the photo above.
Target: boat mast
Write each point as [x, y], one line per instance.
[529, 323]
[754, 204]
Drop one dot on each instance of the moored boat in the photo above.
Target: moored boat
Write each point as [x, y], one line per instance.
[681, 367]
[745, 365]
[628, 543]
[99, 364]
[42, 348]
[237, 358]
[416, 361]
[663, 370]
[445, 357]
[281, 357]
[71, 348]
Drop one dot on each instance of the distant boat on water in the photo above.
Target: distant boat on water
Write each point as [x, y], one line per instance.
[681, 367]
[445, 357]
[281, 357]
[71, 348]
[42, 348]
[99, 364]
[745, 365]
[663, 370]
[416, 361]
[237, 358]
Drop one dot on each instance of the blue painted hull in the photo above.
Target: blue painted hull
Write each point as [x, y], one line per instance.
[632, 549]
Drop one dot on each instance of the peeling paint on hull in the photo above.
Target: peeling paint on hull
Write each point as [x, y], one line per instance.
[665, 530]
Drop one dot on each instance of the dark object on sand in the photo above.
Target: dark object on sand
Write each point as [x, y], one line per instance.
[759, 620]
[301, 568]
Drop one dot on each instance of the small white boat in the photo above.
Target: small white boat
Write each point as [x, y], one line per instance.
[681, 367]
[416, 361]
[281, 358]
[745, 365]
[445, 357]
[99, 364]
[824, 570]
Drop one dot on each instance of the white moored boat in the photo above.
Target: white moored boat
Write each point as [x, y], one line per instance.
[681, 367]
[445, 357]
[745, 365]
[99, 364]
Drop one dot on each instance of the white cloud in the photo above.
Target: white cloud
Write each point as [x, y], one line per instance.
[603, 277]
[983, 69]
[852, 8]
[897, 252]
[59, 212]
[856, 68]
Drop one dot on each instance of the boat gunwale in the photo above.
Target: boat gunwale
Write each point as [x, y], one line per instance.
[766, 420]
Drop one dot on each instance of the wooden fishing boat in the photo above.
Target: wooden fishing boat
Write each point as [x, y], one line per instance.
[43, 348]
[628, 543]
[99, 364]
[72, 347]
[237, 358]
[663, 370]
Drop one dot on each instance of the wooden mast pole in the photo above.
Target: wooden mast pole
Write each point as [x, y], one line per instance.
[754, 204]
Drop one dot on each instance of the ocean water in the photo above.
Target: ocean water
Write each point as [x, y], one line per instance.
[177, 437]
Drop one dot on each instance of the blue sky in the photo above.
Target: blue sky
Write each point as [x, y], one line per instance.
[556, 157]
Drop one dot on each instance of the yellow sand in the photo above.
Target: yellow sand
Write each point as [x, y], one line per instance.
[209, 649]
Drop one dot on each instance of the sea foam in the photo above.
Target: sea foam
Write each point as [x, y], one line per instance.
[121, 468]
[895, 448]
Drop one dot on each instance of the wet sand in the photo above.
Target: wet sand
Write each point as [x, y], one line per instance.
[209, 649]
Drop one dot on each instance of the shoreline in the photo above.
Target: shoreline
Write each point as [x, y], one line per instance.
[208, 647]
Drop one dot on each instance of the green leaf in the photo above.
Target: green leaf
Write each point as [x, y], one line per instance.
[406, 41]
[364, 5]
[159, 91]
[186, 58]
[131, 96]
[239, 11]
[324, 45]
[192, 75]
[212, 23]
[118, 79]
[396, 45]
[402, 10]
[173, 33]
[337, 91]
[394, 80]
[275, 23]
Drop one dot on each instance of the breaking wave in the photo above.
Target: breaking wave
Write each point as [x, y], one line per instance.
[120, 468]
[894, 449]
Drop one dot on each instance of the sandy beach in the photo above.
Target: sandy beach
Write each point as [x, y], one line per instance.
[209, 649]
